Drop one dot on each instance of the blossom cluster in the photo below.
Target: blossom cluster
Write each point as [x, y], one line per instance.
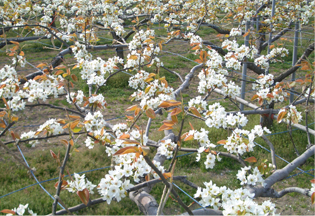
[250, 179]
[308, 91]
[217, 117]
[29, 135]
[233, 201]
[94, 121]
[138, 80]
[237, 143]
[79, 184]
[52, 127]
[116, 182]
[78, 96]
[263, 60]
[268, 91]
[98, 100]
[42, 88]
[21, 210]
[156, 92]
[235, 32]
[198, 103]
[290, 115]
[166, 148]
[95, 71]
[143, 40]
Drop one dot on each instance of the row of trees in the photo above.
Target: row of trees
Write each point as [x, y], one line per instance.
[131, 23]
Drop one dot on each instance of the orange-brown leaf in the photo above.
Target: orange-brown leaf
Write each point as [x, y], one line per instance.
[174, 119]
[8, 211]
[170, 103]
[15, 42]
[65, 142]
[164, 127]
[127, 150]
[281, 116]
[12, 135]
[168, 123]
[221, 142]
[61, 121]
[130, 117]
[255, 97]
[190, 137]
[74, 124]
[53, 154]
[71, 142]
[74, 116]
[74, 77]
[150, 113]
[2, 114]
[132, 108]
[41, 65]
[14, 118]
[184, 135]
[176, 111]
[124, 136]
[63, 184]
[167, 175]
[191, 126]
[84, 196]
[251, 160]
[194, 111]
[128, 141]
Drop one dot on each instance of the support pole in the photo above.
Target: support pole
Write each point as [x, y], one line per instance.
[267, 121]
[270, 33]
[244, 70]
[294, 57]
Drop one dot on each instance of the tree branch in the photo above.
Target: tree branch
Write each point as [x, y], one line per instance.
[284, 172]
[291, 70]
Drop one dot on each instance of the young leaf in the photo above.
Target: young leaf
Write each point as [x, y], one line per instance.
[53, 154]
[132, 108]
[8, 211]
[74, 124]
[41, 65]
[71, 142]
[281, 116]
[128, 141]
[221, 142]
[84, 196]
[251, 160]
[150, 113]
[126, 150]
[75, 117]
[65, 142]
[190, 137]
[195, 111]
[167, 175]
[191, 126]
[63, 184]
[164, 127]
[176, 111]
[124, 136]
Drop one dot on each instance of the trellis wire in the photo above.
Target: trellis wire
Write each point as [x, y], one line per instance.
[188, 195]
[35, 176]
[282, 158]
